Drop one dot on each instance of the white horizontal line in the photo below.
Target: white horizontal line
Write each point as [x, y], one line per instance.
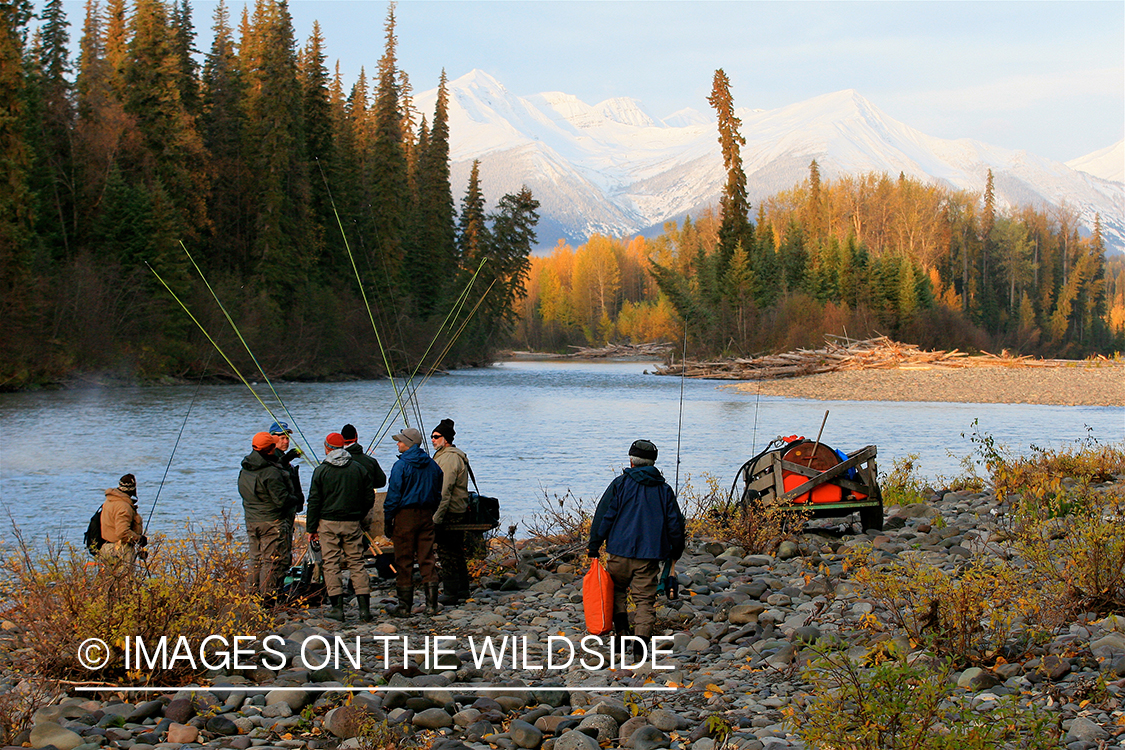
[378, 689]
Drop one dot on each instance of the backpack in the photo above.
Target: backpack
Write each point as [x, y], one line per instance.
[92, 539]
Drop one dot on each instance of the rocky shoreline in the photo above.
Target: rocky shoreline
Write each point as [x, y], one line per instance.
[741, 631]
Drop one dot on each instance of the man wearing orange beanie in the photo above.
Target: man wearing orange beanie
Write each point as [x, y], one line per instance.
[267, 496]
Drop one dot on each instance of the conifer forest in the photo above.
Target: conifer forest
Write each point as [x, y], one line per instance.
[159, 203]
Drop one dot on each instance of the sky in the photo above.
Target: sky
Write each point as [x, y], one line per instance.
[1047, 77]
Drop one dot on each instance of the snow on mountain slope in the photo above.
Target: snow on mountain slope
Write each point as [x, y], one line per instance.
[614, 168]
[1107, 163]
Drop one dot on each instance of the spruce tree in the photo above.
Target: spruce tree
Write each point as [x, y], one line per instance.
[436, 249]
[49, 111]
[388, 176]
[221, 125]
[174, 154]
[274, 140]
[15, 160]
[733, 203]
[319, 138]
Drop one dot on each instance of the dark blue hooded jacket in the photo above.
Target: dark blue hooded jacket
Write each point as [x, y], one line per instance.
[638, 517]
[415, 483]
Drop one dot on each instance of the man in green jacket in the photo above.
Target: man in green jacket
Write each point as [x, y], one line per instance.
[340, 494]
[267, 497]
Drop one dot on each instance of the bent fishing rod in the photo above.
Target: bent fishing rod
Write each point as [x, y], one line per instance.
[246, 346]
[218, 348]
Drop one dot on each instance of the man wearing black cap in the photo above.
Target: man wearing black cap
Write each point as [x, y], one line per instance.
[352, 446]
[413, 493]
[450, 511]
[378, 478]
[640, 522]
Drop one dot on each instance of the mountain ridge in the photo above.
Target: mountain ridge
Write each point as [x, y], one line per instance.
[614, 168]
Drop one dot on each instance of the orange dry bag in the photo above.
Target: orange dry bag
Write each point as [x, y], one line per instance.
[597, 599]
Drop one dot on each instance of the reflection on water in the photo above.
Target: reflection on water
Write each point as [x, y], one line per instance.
[529, 429]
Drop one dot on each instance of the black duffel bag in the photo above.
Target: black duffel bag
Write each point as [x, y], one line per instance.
[483, 510]
[483, 513]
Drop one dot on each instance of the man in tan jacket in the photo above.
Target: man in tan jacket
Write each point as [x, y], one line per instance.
[121, 523]
[452, 510]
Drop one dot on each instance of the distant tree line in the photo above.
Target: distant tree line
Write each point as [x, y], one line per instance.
[263, 165]
[859, 255]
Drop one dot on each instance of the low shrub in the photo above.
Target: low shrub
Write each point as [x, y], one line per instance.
[902, 485]
[970, 615]
[1073, 542]
[193, 585]
[758, 529]
[899, 706]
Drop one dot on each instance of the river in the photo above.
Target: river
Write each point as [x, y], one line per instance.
[532, 431]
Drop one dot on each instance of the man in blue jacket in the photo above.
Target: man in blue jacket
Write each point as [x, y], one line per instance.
[640, 522]
[413, 494]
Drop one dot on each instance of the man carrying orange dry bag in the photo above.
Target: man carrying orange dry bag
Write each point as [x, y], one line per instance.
[640, 522]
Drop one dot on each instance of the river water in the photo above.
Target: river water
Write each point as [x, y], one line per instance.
[532, 431]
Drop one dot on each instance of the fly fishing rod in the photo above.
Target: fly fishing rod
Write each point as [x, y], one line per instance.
[175, 445]
[215, 344]
[292, 419]
[363, 294]
[680, 422]
[383, 429]
[454, 312]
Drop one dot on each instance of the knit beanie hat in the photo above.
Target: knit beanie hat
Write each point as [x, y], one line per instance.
[643, 449]
[128, 484]
[445, 429]
[348, 433]
[264, 442]
[334, 440]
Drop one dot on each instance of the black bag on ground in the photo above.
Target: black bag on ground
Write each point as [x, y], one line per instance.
[92, 539]
[482, 509]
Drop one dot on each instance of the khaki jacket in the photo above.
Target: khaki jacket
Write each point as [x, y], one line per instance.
[121, 523]
[455, 482]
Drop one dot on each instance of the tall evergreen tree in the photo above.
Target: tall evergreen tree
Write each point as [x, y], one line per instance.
[437, 251]
[320, 143]
[183, 47]
[174, 155]
[274, 139]
[733, 203]
[221, 125]
[15, 156]
[390, 190]
[56, 181]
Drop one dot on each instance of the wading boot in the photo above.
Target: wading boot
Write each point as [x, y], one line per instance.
[451, 595]
[620, 629]
[364, 607]
[337, 611]
[432, 598]
[405, 603]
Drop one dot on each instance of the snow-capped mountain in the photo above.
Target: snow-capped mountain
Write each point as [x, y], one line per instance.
[1107, 163]
[616, 169]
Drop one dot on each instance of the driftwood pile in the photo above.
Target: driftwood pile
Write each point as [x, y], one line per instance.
[656, 350]
[840, 353]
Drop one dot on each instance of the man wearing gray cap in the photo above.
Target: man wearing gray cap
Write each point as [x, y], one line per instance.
[413, 494]
[640, 522]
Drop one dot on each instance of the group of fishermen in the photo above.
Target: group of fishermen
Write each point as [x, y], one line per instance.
[637, 518]
[426, 498]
